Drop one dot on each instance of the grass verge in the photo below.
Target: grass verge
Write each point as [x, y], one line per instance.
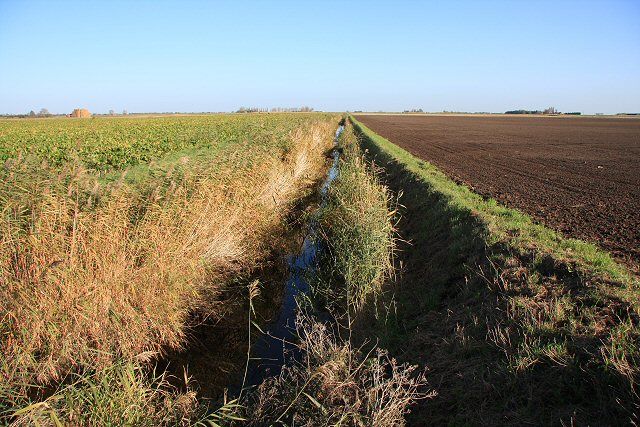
[517, 324]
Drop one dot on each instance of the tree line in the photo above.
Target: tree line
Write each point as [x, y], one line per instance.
[550, 110]
[303, 109]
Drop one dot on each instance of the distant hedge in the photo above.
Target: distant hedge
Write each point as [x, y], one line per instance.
[523, 112]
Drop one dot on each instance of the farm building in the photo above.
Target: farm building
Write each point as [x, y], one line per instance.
[80, 112]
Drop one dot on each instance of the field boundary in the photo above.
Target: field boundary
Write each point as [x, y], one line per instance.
[508, 224]
[573, 176]
[516, 324]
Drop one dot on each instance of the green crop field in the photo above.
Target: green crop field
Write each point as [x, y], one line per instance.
[104, 144]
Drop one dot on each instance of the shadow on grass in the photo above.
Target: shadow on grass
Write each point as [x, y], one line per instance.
[508, 340]
[215, 351]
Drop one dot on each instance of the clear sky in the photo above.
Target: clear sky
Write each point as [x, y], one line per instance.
[148, 56]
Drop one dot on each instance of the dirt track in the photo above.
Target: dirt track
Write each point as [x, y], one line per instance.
[578, 175]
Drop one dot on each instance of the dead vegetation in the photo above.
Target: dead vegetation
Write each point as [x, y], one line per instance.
[95, 275]
[80, 113]
[337, 384]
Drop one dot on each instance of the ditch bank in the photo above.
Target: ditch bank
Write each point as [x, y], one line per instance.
[325, 378]
[141, 272]
[516, 324]
[269, 353]
[257, 309]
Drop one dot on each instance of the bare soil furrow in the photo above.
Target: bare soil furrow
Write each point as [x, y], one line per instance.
[578, 175]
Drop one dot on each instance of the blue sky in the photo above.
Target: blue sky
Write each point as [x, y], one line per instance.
[395, 55]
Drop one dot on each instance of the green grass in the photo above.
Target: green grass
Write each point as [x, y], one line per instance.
[505, 224]
[122, 394]
[357, 227]
[517, 323]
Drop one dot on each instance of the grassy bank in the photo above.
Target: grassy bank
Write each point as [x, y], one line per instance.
[104, 268]
[357, 226]
[337, 382]
[517, 324]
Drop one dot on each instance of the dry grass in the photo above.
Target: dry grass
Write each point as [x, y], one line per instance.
[336, 384]
[333, 382]
[91, 275]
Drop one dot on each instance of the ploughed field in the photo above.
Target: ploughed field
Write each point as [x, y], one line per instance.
[578, 175]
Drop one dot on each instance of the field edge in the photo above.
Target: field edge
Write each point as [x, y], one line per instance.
[519, 324]
[512, 225]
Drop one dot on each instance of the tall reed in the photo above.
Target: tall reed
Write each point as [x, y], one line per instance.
[95, 274]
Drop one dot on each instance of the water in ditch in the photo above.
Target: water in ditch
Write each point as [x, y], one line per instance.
[274, 346]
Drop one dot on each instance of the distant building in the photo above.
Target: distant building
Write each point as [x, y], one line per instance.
[80, 112]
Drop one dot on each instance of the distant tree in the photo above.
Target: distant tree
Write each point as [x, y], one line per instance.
[32, 113]
[124, 112]
[523, 112]
[112, 113]
[550, 110]
[44, 112]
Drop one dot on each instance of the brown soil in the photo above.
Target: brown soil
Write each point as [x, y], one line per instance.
[578, 175]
